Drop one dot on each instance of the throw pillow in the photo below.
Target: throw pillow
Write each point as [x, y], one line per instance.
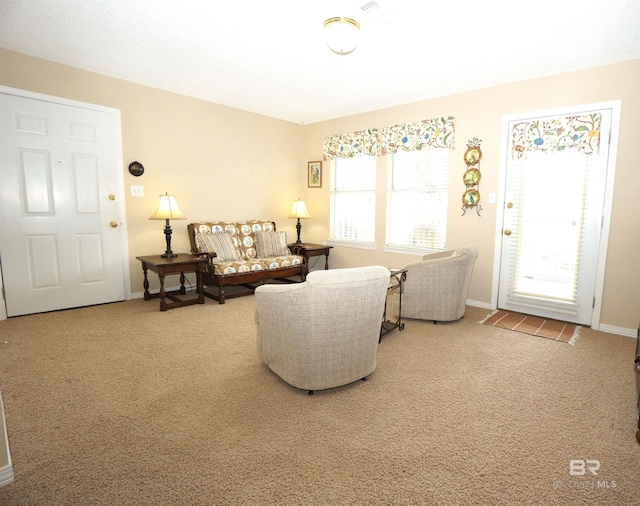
[271, 244]
[219, 243]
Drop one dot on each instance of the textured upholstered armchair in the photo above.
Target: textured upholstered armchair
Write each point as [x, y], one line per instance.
[324, 332]
[436, 286]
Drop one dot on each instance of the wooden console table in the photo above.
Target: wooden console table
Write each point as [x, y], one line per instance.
[179, 264]
[396, 282]
[306, 251]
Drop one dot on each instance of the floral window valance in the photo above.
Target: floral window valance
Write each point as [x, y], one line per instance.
[557, 134]
[351, 144]
[437, 132]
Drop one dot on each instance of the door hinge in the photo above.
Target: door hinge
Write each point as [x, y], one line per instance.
[3, 294]
[594, 303]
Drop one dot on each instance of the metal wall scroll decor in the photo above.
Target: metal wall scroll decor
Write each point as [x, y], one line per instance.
[471, 177]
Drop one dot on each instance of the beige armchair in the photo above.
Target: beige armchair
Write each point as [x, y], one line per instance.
[322, 333]
[436, 286]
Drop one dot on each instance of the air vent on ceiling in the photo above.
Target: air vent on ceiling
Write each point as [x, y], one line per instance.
[378, 13]
[369, 7]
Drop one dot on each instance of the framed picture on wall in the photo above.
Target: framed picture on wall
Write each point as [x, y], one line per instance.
[314, 174]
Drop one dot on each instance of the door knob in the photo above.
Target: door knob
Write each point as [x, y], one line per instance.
[507, 232]
[113, 224]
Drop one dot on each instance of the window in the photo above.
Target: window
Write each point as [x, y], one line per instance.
[417, 196]
[353, 199]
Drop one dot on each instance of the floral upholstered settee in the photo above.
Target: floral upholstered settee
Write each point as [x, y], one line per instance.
[242, 254]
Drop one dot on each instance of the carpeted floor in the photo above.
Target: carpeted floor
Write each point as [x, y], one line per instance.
[123, 405]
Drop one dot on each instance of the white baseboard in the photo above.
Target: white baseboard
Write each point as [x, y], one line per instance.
[621, 331]
[6, 475]
[6, 471]
[477, 303]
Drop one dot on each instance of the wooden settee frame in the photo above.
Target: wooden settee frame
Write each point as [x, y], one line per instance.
[244, 283]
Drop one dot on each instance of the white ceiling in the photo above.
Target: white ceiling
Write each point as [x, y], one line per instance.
[269, 57]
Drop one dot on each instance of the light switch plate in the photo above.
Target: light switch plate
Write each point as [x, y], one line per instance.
[137, 191]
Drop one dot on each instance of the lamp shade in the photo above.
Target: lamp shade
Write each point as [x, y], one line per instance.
[341, 34]
[167, 209]
[299, 210]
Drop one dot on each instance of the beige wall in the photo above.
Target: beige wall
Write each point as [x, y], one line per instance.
[223, 163]
[479, 114]
[219, 162]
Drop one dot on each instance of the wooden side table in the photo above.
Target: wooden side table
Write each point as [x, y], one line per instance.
[179, 264]
[308, 250]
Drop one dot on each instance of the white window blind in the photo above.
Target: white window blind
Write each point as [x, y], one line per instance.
[555, 210]
[417, 197]
[353, 199]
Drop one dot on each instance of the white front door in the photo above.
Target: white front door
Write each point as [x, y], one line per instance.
[552, 228]
[62, 235]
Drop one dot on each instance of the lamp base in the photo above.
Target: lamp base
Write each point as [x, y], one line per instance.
[167, 233]
[298, 229]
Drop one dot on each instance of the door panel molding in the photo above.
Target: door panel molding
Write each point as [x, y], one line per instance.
[84, 132]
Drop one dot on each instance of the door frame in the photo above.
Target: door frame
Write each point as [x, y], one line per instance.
[119, 175]
[615, 106]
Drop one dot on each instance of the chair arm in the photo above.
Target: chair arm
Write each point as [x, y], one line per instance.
[439, 254]
[208, 269]
[438, 271]
[279, 299]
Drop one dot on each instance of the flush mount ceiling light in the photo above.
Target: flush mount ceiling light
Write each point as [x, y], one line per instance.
[341, 34]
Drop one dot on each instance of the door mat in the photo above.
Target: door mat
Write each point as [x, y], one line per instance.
[534, 325]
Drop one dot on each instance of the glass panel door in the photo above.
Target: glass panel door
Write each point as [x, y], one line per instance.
[551, 232]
